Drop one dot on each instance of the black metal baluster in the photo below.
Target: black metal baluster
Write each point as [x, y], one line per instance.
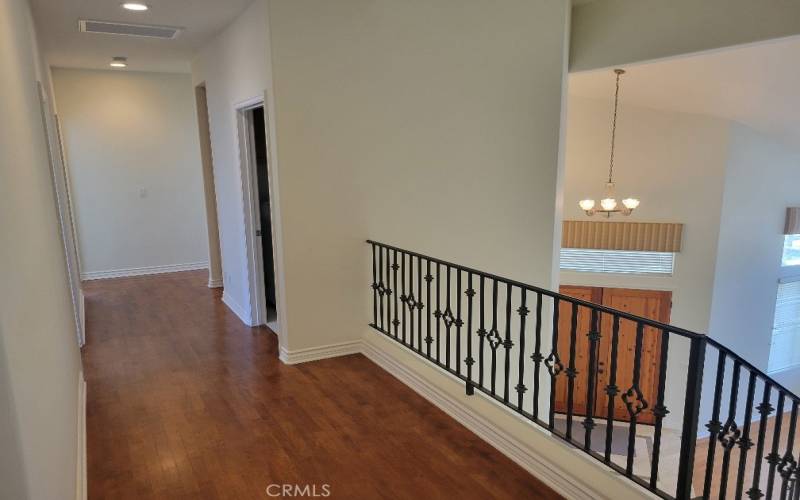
[481, 334]
[411, 302]
[493, 337]
[730, 431]
[633, 397]
[428, 279]
[659, 410]
[395, 267]
[381, 287]
[537, 356]
[420, 305]
[523, 312]
[507, 344]
[714, 426]
[571, 372]
[374, 287]
[403, 296]
[764, 410]
[469, 361]
[774, 458]
[554, 366]
[459, 322]
[691, 416]
[744, 442]
[448, 322]
[611, 389]
[438, 312]
[788, 465]
[591, 390]
[388, 294]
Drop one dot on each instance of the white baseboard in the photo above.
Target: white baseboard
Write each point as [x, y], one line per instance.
[562, 481]
[237, 309]
[142, 271]
[315, 353]
[81, 489]
[217, 283]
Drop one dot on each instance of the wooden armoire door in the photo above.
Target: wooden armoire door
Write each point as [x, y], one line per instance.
[651, 304]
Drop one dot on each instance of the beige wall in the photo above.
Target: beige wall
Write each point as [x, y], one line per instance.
[612, 32]
[136, 175]
[39, 358]
[430, 125]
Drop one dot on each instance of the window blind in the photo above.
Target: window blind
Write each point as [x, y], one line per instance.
[785, 347]
[617, 261]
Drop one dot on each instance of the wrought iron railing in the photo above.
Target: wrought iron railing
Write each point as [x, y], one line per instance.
[544, 355]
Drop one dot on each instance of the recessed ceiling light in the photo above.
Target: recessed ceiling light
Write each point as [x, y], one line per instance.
[135, 6]
[119, 62]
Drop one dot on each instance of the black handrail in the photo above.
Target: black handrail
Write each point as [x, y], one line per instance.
[485, 316]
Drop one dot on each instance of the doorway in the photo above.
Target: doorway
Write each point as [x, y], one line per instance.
[258, 212]
[650, 304]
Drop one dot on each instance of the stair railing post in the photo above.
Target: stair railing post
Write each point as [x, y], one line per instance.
[691, 416]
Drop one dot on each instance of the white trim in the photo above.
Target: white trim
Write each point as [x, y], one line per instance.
[81, 488]
[237, 308]
[322, 352]
[142, 271]
[564, 482]
[251, 216]
[217, 283]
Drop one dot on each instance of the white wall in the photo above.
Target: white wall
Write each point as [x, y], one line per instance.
[136, 176]
[613, 32]
[761, 180]
[235, 68]
[675, 164]
[39, 358]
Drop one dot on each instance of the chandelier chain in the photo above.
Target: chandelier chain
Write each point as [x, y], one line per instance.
[614, 128]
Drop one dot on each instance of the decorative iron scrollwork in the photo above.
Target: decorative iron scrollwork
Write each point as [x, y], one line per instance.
[634, 401]
[554, 364]
[729, 435]
[494, 338]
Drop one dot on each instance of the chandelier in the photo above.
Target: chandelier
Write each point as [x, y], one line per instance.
[608, 204]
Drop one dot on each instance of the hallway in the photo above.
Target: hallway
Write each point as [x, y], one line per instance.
[184, 401]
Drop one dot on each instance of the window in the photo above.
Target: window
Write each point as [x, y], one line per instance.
[785, 348]
[791, 250]
[617, 261]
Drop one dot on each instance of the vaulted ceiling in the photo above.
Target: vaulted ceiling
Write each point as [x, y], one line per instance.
[757, 85]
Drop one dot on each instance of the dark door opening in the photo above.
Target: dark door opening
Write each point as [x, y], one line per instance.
[265, 216]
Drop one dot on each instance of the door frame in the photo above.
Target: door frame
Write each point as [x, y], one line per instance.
[63, 201]
[252, 217]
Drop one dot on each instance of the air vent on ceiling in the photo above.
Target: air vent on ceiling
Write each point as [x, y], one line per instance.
[114, 28]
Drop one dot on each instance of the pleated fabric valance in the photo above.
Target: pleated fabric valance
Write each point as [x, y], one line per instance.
[792, 221]
[634, 236]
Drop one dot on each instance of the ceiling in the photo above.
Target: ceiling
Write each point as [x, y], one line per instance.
[758, 85]
[64, 46]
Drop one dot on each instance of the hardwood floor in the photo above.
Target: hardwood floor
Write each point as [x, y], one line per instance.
[184, 401]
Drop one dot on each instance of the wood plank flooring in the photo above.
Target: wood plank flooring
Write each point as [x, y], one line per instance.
[184, 401]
